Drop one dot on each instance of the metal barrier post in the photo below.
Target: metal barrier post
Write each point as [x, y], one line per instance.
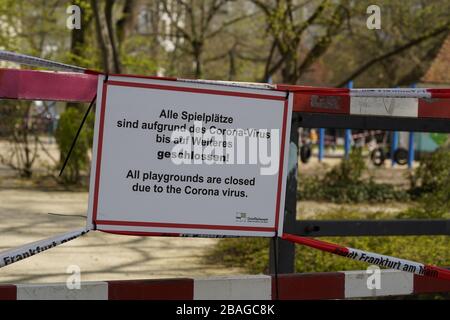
[411, 144]
[348, 132]
[286, 249]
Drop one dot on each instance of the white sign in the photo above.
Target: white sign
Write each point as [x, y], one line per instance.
[174, 157]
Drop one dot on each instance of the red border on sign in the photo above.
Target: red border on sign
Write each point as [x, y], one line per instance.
[179, 225]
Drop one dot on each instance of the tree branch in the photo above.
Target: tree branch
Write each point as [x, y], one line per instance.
[229, 23]
[393, 52]
[301, 28]
[324, 42]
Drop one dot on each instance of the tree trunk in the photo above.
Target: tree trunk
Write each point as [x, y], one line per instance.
[232, 69]
[78, 40]
[109, 6]
[289, 71]
[197, 48]
[155, 12]
[103, 25]
[126, 24]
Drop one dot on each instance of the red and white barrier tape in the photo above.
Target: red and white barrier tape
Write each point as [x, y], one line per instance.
[13, 255]
[44, 63]
[401, 93]
[81, 87]
[355, 254]
[28, 250]
[17, 254]
[372, 258]
[420, 93]
[254, 85]
[364, 92]
[37, 62]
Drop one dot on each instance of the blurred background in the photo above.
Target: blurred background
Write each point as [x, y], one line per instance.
[342, 173]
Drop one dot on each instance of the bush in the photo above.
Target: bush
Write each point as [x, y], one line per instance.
[68, 125]
[348, 171]
[21, 130]
[345, 184]
[430, 186]
[433, 173]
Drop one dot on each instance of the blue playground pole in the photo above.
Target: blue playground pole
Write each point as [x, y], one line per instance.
[321, 143]
[411, 150]
[394, 146]
[347, 144]
[411, 144]
[348, 132]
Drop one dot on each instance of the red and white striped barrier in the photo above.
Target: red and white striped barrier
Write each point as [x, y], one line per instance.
[408, 102]
[306, 286]
[80, 84]
[81, 87]
[423, 93]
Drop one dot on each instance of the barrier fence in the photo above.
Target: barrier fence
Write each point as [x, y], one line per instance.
[304, 286]
[374, 109]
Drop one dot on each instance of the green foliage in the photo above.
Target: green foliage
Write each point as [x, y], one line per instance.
[21, 130]
[68, 125]
[252, 254]
[430, 185]
[349, 171]
[345, 184]
[136, 59]
[433, 173]
[426, 249]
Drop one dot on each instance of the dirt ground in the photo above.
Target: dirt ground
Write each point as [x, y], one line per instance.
[100, 256]
[24, 216]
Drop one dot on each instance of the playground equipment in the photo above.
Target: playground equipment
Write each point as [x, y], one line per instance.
[379, 152]
[382, 109]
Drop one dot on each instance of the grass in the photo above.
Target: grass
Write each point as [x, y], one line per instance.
[252, 254]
